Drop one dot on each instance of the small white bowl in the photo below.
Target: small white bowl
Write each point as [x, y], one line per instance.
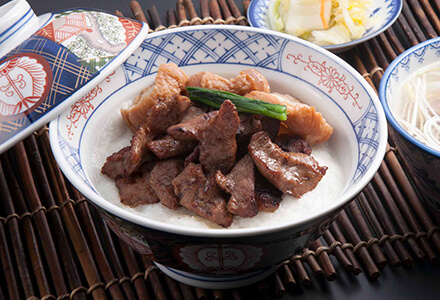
[422, 161]
[384, 12]
[228, 258]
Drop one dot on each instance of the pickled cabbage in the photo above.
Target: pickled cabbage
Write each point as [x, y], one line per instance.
[323, 22]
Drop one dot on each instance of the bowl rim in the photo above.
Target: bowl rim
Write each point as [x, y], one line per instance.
[352, 43]
[384, 100]
[232, 233]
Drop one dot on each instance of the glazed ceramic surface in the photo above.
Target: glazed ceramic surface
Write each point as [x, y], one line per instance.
[62, 57]
[291, 65]
[384, 13]
[422, 161]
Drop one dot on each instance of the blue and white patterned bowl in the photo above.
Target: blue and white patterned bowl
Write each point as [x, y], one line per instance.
[200, 256]
[385, 13]
[422, 162]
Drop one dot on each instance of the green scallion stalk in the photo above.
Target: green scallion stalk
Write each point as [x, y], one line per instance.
[215, 98]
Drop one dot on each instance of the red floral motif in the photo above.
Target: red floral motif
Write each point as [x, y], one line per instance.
[328, 77]
[82, 107]
[132, 29]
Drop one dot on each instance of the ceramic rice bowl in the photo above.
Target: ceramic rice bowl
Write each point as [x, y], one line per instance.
[229, 258]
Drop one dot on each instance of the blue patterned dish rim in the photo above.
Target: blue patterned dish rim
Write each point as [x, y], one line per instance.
[257, 17]
[401, 64]
[194, 49]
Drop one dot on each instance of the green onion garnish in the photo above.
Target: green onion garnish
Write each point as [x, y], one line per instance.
[215, 98]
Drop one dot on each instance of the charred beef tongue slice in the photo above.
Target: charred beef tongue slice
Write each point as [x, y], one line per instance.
[240, 183]
[167, 147]
[271, 126]
[160, 180]
[293, 144]
[247, 127]
[165, 113]
[292, 173]
[267, 196]
[217, 142]
[136, 190]
[118, 163]
[201, 196]
[193, 157]
[189, 130]
[114, 165]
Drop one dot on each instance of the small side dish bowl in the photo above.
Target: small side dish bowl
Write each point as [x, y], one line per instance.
[229, 258]
[384, 12]
[422, 162]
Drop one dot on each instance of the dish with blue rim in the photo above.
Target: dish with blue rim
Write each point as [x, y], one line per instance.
[292, 66]
[384, 12]
[421, 161]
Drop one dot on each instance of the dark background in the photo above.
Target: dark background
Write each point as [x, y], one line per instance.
[420, 281]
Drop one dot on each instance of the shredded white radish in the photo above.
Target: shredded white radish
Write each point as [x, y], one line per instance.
[412, 107]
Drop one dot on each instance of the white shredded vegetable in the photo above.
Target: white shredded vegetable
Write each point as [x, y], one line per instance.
[417, 106]
[323, 22]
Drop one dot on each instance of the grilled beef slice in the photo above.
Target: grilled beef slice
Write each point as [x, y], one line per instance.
[288, 143]
[201, 196]
[240, 183]
[165, 113]
[160, 180]
[218, 146]
[193, 157]
[271, 126]
[136, 190]
[117, 164]
[267, 196]
[190, 129]
[167, 147]
[247, 127]
[292, 173]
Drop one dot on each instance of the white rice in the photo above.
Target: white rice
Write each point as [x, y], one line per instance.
[116, 135]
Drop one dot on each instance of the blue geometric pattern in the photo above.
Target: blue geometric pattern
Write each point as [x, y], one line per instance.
[71, 155]
[390, 9]
[368, 136]
[198, 47]
[414, 57]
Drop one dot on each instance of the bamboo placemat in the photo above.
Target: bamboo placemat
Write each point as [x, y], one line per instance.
[54, 244]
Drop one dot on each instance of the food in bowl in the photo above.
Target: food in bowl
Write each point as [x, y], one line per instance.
[418, 107]
[212, 166]
[323, 22]
[408, 93]
[181, 244]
